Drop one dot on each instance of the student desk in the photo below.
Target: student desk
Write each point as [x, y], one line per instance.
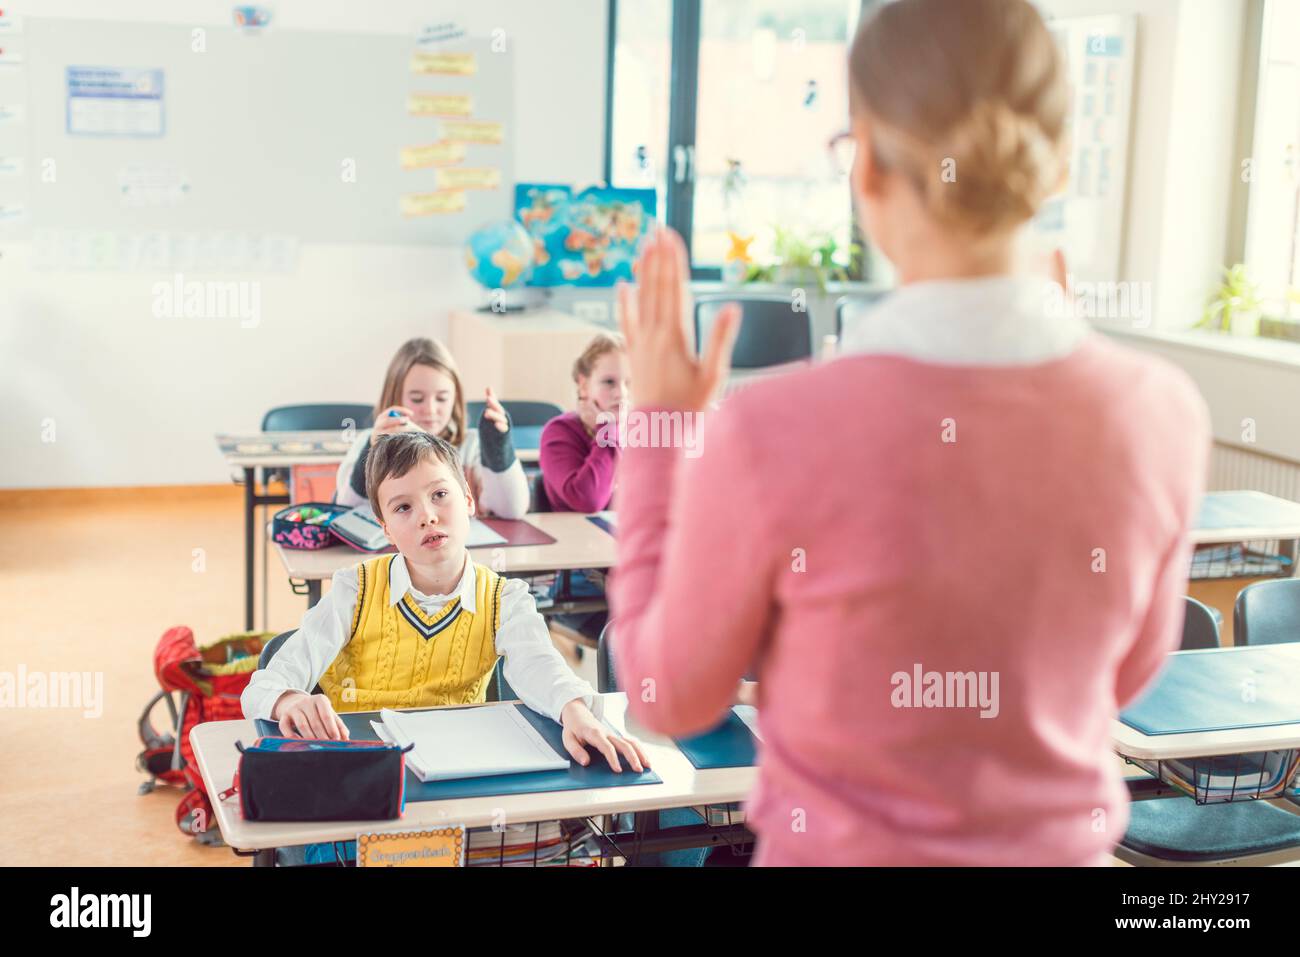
[682, 786]
[1246, 516]
[285, 452]
[1131, 743]
[578, 543]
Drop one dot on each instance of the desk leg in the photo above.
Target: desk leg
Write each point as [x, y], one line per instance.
[313, 593]
[264, 858]
[250, 506]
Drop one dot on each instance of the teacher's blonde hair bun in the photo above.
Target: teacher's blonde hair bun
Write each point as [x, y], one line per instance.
[969, 100]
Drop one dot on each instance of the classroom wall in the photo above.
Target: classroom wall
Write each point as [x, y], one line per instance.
[135, 400]
[83, 353]
[1182, 145]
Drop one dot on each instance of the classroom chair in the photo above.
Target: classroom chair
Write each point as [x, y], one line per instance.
[521, 412]
[321, 417]
[1200, 628]
[771, 334]
[1174, 831]
[540, 502]
[498, 688]
[850, 309]
[271, 647]
[1267, 613]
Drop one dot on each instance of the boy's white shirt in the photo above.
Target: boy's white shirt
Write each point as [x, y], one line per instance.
[533, 667]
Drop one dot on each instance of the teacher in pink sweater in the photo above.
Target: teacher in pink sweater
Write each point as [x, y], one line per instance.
[954, 551]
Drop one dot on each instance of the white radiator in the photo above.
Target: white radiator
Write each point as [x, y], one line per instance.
[1233, 467]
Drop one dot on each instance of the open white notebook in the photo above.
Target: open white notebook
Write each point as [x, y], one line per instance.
[468, 742]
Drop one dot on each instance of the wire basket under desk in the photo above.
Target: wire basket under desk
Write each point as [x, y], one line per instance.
[1226, 778]
[1244, 560]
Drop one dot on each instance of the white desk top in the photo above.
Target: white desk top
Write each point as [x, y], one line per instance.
[683, 786]
[578, 544]
[1132, 743]
[283, 449]
[1283, 519]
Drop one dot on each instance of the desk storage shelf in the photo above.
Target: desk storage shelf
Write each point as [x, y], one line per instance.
[1226, 778]
[1248, 560]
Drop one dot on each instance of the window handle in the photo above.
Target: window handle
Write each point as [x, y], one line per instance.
[683, 164]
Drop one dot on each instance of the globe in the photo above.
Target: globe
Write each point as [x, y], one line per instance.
[499, 255]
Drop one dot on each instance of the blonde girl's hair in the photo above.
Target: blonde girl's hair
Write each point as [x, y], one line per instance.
[969, 100]
[603, 344]
[432, 353]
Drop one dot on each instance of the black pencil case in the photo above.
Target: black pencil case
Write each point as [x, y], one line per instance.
[295, 779]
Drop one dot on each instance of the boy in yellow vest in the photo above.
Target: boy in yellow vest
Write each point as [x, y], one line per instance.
[423, 627]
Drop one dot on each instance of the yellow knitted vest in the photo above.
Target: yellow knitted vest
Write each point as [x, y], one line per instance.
[399, 657]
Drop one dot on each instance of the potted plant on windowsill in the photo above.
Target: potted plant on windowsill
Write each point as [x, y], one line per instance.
[800, 259]
[1234, 306]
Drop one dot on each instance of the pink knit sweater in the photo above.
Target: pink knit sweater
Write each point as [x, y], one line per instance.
[879, 517]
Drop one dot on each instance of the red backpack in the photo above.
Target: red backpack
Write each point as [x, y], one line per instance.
[209, 681]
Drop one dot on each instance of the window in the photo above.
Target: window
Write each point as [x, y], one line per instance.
[725, 108]
[1273, 218]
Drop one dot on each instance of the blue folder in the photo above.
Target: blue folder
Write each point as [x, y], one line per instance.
[597, 774]
[1208, 691]
[601, 523]
[729, 745]
[1244, 510]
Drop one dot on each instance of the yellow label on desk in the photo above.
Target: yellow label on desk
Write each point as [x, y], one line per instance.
[429, 204]
[460, 178]
[434, 154]
[442, 847]
[465, 132]
[439, 104]
[445, 64]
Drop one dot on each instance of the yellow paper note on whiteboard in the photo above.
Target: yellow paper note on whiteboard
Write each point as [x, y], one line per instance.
[463, 132]
[434, 154]
[443, 64]
[430, 204]
[439, 104]
[441, 847]
[460, 178]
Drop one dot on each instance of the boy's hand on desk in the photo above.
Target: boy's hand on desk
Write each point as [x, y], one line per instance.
[303, 715]
[581, 728]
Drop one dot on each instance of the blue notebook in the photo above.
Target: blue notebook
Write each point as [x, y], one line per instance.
[597, 774]
[1243, 510]
[1221, 689]
[729, 745]
[601, 522]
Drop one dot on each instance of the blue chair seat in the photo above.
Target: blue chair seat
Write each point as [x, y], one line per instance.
[1180, 830]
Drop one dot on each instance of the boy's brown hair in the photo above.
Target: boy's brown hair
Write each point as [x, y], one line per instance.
[393, 455]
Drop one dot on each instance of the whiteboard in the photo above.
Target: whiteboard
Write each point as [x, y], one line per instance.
[286, 133]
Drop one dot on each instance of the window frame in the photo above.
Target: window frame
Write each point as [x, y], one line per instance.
[683, 89]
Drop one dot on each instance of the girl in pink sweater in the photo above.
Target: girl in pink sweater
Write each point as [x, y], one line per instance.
[579, 453]
[578, 470]
[951, 553]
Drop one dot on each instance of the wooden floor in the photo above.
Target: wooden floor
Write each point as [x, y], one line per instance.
[89, 580]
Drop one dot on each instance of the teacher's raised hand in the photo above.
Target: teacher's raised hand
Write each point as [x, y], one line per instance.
[657, 318]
